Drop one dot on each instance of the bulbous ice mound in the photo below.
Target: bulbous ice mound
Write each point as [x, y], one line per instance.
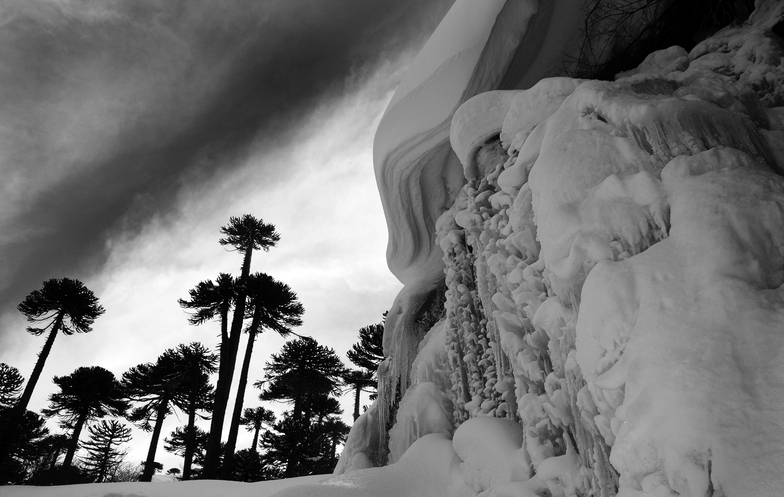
[658, 208]
[614, 265]
[690, 333]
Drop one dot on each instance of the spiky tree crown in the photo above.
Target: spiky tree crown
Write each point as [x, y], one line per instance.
[67, 297]
[10, 384]
[93, 391]
[210, 299]
[246, 232]
[254, 417]
[273, 303]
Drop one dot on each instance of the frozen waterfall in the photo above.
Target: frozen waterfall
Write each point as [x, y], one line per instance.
[593, 270]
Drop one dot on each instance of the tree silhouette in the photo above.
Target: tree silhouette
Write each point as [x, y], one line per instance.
[358, 380]
[22, 435]
[52, 446]
[28, 447]
[150, 384]
[10, 385]
[198, 363]
[253, 420]
[306, 446]
[245, 234]
[366, 354]
[177, 379]
[210, 300]
[60, 305]
[103, 455]
[177, 443]
[272, 305]
[249, 467]
[86, 394]
[303, 374]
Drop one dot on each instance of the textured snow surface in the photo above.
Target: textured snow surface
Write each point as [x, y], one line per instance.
[204, 488]
[430, 468]
[613, 267]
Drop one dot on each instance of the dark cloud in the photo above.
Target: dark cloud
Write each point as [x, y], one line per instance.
[108, 109]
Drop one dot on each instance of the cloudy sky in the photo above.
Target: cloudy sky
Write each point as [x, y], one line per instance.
[130, 130]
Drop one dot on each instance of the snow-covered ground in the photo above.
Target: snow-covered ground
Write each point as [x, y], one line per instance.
[203, 488]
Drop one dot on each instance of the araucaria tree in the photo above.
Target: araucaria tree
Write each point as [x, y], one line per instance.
[60, 305]
[366, 354]
[103, 454]
[245, 234]
[177, 443]
[305, 375]
[253, 419]
[197, 394]
[176, 379]
[210, 300]
[11, 382]
[86, 394]
[272, 305]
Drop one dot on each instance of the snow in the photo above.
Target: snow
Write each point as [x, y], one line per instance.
[430, 467]
[613, 271]
[202, 488]
[417, 121]
[612, 259]
[700, 367]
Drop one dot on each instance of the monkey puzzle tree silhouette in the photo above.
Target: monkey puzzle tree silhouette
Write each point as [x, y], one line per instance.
[303, 374]
[177, 443]
[87, 393]
[28, 447]
[63, 305]
[179, 378]
[302, 371]
[11, 382]
[211, 299]
[358, 381]
[245, 234]
[366, 354]
[103, 455]
[254, 419]
[199, 363]
[272, 305]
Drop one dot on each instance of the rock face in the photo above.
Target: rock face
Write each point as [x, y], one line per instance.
[598, 262]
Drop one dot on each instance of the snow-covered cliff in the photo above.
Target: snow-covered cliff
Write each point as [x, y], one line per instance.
[593, 270]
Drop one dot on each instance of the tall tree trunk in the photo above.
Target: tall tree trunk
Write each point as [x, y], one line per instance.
[149, 464]
[225, 374]
[190, 438]
[255, 442]
[17, 414]
[103, 469]
[234, 428]
[74, 440]
[21, 406]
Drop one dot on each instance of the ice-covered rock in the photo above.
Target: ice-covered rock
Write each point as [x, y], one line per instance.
[605, 269]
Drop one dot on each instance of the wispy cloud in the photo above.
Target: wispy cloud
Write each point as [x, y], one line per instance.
[107, 111]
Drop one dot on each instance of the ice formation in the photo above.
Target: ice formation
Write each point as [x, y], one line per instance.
[593, 270]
